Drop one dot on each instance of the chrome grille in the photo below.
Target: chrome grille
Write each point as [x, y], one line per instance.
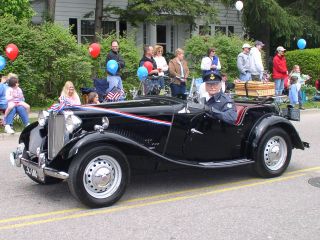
[56, 133]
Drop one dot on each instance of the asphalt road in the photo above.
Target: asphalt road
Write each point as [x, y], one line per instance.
[180, 204]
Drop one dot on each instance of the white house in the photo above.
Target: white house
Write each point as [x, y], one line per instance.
[168, 34]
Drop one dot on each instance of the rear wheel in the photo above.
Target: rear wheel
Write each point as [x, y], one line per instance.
[273, 154]
[99, 176]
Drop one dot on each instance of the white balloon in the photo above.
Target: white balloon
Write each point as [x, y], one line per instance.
[239, 5]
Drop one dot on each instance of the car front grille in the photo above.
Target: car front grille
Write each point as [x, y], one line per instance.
[56, 133]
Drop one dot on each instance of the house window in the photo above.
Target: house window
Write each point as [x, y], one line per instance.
[73, 25]
[230, 30]
[204, 30]
[220, 29]
[87, 29]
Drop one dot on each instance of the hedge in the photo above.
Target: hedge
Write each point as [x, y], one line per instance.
[308, 60]
[227, 49]
[48, 56]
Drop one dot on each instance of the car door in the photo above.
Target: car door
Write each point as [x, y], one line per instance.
[209, 139]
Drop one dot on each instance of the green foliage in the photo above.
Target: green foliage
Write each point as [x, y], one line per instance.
[227, 49]
[309, 90]
[308, 60]
[286, 18]
[48, 56]
[129, 53]
[153, 11]
[21, 9]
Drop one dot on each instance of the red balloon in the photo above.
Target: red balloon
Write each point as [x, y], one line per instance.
[148, 65]
[12, 51]
[94, 50]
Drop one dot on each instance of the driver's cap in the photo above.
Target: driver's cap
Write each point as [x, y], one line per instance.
[211, 78]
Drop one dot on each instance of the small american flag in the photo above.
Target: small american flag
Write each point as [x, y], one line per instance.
[114, 94]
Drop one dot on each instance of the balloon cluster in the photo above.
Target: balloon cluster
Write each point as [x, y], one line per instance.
[144, 70]
[12, 52]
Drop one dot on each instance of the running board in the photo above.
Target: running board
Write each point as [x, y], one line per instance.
[226, 163]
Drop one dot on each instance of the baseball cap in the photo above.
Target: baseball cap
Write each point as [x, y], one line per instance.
[280, 49]
[258, 43]
[246, 45]
[211, 77]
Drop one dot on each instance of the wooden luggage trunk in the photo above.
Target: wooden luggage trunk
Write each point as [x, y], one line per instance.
[255, 89]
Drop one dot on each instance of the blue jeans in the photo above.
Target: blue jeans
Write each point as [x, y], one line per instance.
[245, 76]
[161, 82]
[21, 111]
[279, 85]
[177, 89]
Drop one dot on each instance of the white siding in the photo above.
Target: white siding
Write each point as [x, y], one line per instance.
[66, 9]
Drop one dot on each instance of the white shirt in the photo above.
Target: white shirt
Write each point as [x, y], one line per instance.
[256, 66]
[162, 64]
[206, 63]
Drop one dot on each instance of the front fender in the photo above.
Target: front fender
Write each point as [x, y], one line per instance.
[275, 121]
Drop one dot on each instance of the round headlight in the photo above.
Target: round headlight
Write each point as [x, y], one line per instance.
[42, 118]
[72, 122]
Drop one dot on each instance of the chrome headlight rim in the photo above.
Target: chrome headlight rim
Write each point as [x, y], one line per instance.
[73, 122]
[43, 117]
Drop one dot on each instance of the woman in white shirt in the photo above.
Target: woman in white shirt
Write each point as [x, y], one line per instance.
[162, 65]
[210, 63]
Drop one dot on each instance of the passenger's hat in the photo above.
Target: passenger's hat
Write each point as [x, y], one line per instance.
[211, 77]
[246, 45]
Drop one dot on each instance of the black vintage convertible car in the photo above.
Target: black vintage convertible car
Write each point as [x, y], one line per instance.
[96, 147]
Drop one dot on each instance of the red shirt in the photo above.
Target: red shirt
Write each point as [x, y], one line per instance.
[279, 67]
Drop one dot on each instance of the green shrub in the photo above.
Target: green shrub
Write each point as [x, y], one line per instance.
[227, 49]
[308, 60]
[48, 56]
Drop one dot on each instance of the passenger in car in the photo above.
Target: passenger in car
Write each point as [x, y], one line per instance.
[219, 105]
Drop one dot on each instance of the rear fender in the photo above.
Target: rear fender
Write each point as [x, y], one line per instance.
[274, 121]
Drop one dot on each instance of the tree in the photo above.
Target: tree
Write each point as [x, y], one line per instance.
[51, 9]
[21, 9]
[152, 11]
[98, 19]
[280, 19]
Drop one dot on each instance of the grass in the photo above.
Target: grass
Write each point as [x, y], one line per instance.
[18, 125]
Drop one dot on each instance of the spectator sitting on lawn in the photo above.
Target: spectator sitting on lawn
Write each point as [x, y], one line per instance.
[14, 96]
[93, 98]
[15, 100]
[69, 94]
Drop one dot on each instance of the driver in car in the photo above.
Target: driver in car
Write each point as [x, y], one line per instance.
[219, 105]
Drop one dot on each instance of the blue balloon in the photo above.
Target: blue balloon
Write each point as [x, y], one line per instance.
[112, 67]
[142, 73]
[302, 43]
[2, 63]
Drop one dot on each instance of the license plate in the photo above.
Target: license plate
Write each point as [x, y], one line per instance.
[31, 172]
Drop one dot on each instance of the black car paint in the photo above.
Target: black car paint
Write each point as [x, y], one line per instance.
[173, 143]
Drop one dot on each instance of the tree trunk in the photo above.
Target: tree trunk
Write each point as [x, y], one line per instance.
[98, 20]
[51, 9]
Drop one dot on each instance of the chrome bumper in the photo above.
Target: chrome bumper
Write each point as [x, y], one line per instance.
[41, 170]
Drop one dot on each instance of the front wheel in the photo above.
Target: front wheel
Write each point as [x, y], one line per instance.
[98, 177]
[273, 154]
